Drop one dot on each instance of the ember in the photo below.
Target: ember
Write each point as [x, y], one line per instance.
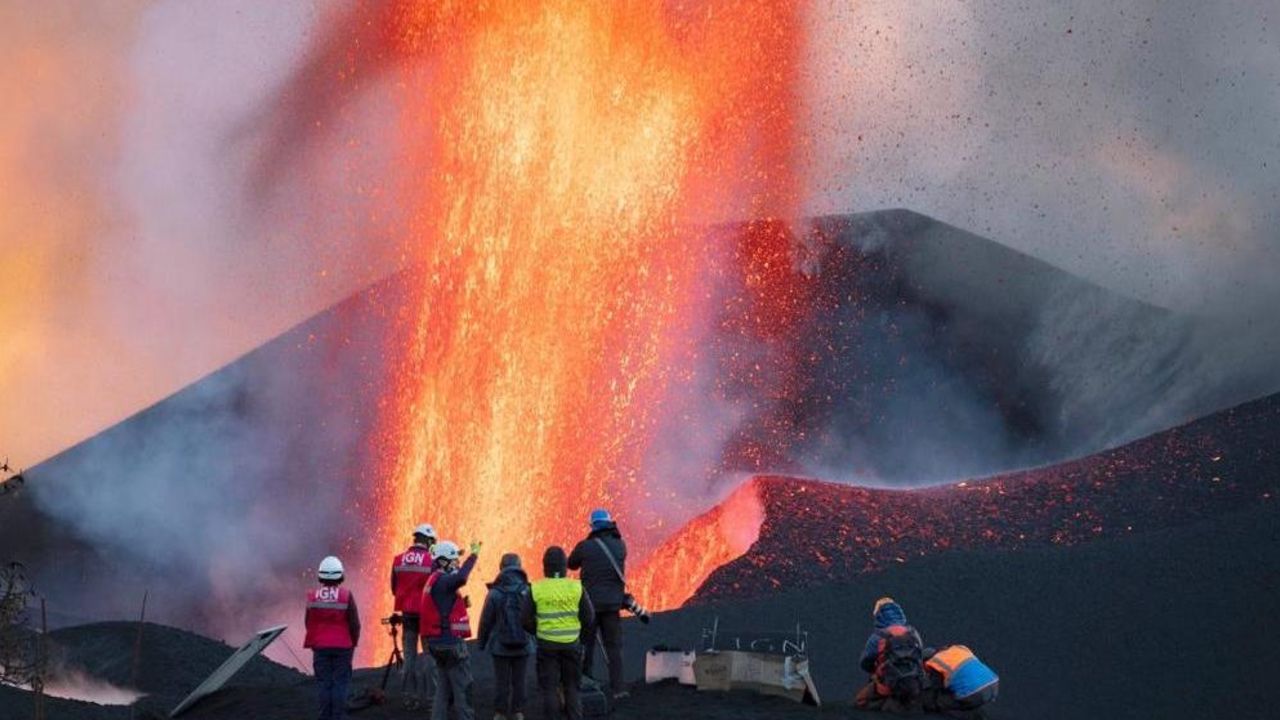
[565, 143]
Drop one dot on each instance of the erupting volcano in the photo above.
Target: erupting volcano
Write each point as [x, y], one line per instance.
[566, 147]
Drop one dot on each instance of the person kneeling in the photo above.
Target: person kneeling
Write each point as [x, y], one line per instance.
[894, 657]
[959, 682]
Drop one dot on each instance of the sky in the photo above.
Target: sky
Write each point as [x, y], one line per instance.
[1135, 144]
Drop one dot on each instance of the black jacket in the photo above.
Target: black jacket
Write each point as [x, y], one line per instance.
[512, 579]
[600, 580]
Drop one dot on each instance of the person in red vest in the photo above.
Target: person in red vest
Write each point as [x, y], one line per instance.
[333, 631]
[446, 626]
[409, 572]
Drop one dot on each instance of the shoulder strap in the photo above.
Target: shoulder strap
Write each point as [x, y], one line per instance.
[608, 554]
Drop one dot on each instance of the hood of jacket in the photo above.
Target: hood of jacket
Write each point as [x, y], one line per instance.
[890, 614]
[512, 578]
[607, 530]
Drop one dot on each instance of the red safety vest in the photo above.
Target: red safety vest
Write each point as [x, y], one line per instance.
[432, 626]
[409, 572]
[327, 626]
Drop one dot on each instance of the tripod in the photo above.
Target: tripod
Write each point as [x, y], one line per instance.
[397, 658]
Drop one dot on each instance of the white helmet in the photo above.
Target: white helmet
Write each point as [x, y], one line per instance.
[446, 550]
[330, 569]
[425, 530]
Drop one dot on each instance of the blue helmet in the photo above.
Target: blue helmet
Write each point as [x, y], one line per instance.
[600, 518]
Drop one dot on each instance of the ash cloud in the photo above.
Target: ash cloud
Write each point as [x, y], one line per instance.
[1134, 145]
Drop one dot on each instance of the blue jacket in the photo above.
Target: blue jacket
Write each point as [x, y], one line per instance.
[971, 675]
[890, 614]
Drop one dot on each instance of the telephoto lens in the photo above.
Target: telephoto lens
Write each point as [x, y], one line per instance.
[636, 609]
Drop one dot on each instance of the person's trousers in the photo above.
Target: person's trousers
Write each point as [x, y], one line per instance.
[559, 672]
[509, 683]
[416, 676]
[332, 668]
[453, 682]
[608, 626]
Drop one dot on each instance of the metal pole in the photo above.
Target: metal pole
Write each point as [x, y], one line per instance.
[137, 650]
[37, 680]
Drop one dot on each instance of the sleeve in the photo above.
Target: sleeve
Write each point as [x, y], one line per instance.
[393, 576]
[586, 611]
[622, 550]
[453, 582]
[529, 613]
[869, 653]
[575, 557]
[353, 620]
[487, 618]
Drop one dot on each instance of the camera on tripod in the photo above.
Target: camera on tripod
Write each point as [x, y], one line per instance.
[635, 608]
[395, 620]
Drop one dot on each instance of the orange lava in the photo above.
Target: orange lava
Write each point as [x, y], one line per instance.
[680, 565]
[562, 147]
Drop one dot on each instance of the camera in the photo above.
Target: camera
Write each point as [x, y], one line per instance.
[394, 620]
[635, 608]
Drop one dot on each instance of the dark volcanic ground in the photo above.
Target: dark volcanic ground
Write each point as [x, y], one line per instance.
[1182, 622]
[816, 532]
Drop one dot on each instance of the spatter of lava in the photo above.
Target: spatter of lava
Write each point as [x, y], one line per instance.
[808, 532]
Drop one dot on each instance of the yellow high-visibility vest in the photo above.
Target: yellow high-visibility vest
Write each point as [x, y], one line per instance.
[555, 600]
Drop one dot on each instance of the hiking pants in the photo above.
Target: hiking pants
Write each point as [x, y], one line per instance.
[608, 626]
[559, 672]
[509, 684]
[453, 682]
[417, 669]
[332, 668]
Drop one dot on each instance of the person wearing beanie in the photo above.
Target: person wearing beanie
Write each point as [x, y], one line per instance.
[601, 559]
[502, 633]
[555, 611]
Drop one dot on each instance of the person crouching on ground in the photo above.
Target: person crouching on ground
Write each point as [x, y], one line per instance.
[602, 558]
[555, 611]
[409, 572]
[960, 683]
[894, 657]
[333, 631]
[446, 626]
[502, 633]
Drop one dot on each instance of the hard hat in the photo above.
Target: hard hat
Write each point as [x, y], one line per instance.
[330, 569]
[879, 604]
[425, 530]
[599, 517]
[445, 549]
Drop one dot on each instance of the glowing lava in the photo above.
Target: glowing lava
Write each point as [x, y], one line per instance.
[563, 147]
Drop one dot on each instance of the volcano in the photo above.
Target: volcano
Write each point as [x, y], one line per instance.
[885, 348]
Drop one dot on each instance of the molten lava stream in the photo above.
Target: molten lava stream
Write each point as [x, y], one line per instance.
[676, 570]
[559, 147]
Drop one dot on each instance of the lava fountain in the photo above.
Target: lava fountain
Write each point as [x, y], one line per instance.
[561, 148]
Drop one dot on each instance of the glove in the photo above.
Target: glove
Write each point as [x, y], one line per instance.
[475, 547]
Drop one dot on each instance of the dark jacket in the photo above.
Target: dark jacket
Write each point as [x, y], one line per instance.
[444, 594]
[529, 617]
[510, 580]
[600, 580]
[890, 614]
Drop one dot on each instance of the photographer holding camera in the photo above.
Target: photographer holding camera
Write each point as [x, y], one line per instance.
[601, 558]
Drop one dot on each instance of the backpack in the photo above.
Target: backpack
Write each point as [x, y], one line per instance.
[901, 663]
[511, 634]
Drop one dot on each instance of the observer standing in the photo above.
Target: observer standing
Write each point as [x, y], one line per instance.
[601, 558]
[333, 631]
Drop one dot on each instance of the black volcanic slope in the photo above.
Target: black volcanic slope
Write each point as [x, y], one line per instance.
[1182, 622]
[814, 532]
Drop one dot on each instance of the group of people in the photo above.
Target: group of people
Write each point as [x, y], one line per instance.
[905, 675]
[557, 620]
